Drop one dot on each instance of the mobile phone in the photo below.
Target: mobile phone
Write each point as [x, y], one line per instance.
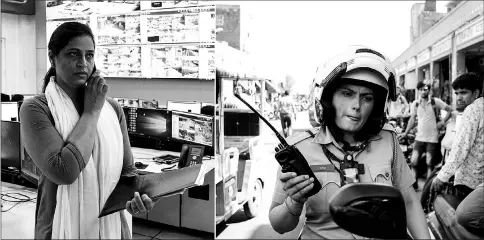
[92, 73]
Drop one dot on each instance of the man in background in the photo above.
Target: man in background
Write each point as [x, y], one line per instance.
[463, 89]
[466, 158]
[287, 110]
[426, 110]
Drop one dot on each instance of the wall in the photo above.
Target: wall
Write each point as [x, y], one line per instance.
[410, 80]
[41, 44]
[465, 11]
[162, 90]
[417, 8]
[426, 20]
[20, 66]
[228, 18]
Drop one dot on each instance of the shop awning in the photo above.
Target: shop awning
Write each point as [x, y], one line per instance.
[233, 63]
[270, 87]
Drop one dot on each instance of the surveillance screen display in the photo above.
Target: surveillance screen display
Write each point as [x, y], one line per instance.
[191, 127]
[153, 122]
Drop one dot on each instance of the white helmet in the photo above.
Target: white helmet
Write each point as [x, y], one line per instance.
[353, 63]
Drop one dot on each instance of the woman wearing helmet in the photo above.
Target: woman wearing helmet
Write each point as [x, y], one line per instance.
[350, 93]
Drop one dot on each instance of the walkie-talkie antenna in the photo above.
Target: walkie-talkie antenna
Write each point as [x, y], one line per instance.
[281, 139]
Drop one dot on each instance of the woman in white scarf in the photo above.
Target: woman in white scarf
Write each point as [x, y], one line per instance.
[81, 147]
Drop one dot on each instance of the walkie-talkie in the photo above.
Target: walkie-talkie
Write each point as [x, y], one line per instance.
[288, 156]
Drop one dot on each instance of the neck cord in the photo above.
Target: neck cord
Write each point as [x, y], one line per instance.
[331, 158]
[345, 163]
[348, 148]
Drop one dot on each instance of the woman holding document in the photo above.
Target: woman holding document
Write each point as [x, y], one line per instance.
[78, 138]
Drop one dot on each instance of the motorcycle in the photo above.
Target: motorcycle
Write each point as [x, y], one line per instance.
[440, 210]
[376, 210]
[372, 210]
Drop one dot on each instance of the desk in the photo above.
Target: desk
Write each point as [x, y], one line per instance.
[194, 209]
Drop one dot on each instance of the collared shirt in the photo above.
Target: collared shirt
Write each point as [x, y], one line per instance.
[377, 159]
[427, 124]
[466, 158]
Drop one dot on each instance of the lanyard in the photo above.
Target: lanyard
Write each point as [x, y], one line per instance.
[331, 158]
[346, 163]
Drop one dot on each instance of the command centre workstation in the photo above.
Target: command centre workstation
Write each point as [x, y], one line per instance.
[157, 136]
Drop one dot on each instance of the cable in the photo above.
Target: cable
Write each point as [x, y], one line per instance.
[14, 197]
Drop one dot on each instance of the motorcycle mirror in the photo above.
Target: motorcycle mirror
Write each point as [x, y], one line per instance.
[372, 210]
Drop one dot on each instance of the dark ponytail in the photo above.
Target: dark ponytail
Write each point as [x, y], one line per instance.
[61, 36]
[48, 75]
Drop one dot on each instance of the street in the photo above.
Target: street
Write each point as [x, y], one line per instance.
[239, 226]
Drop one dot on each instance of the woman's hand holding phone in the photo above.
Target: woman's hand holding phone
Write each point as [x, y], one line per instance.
[296, 187]
[95, 93]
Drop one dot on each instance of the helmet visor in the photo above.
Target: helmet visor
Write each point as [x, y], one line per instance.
[368, 75]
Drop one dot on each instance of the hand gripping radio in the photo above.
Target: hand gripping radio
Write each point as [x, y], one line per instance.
[291, 160]
[288, 156]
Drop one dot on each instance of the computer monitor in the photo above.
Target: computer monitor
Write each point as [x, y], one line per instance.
[5, 97]
[194, 128]
[153, 122]
[10, 111]
[10, 145]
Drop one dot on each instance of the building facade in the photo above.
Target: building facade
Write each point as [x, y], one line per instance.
[452, 46]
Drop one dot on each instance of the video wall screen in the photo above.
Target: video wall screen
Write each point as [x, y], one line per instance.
[194, 128]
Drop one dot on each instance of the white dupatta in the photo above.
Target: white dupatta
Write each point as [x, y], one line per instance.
[79, 204]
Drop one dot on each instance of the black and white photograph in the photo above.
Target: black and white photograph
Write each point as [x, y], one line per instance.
[194, 119]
